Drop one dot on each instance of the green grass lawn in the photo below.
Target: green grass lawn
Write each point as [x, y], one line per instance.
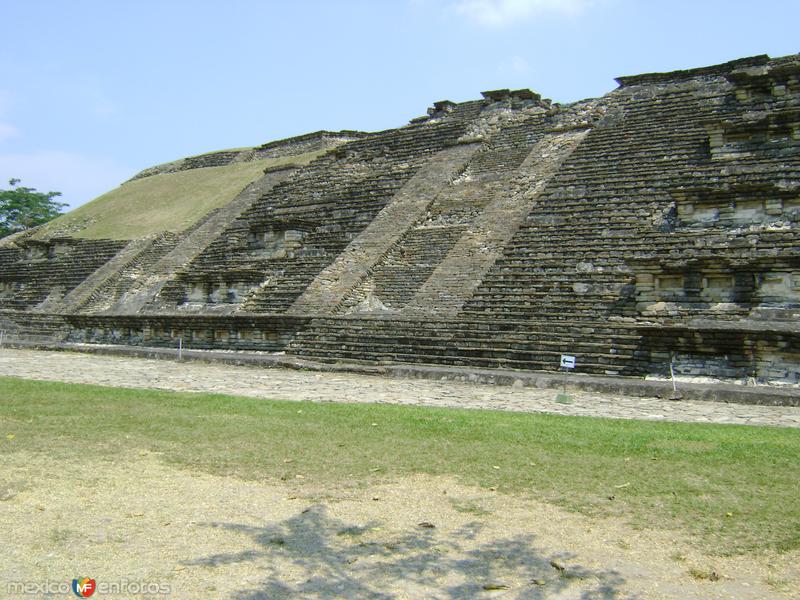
[735, 488]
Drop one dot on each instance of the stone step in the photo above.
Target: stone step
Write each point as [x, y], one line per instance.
[333, 284]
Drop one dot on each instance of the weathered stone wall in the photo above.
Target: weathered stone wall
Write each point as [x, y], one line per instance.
[200, 332]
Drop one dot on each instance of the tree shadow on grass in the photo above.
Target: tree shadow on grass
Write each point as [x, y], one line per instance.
[312, 555]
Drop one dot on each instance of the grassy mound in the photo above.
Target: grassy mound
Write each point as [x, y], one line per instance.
[165, 202]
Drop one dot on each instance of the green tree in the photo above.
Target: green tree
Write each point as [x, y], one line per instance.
[22, 208]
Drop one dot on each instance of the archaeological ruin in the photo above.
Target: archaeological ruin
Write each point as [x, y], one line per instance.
[657, 225]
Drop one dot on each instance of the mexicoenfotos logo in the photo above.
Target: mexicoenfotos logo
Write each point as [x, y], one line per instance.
[84, 587]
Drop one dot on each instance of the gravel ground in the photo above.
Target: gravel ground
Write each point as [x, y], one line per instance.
[346, 387]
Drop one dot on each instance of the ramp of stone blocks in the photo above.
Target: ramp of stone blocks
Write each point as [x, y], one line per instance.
[409, 263]
[107, 294]
[454, 280]
[78, 298]
[200, 237]
[600, 347]
[407, 207]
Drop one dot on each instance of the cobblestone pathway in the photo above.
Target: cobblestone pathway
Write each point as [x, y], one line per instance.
[345, 387]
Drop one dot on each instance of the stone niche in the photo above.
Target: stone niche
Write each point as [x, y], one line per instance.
[196, 292]
[46, 250]
[695, 214]
[717, 287]
[778, 287]
[276, 242]
[217, 292]
[36, 252]
[779, 131]
[515, 98]
[199, 335]
[238, 291]
[659, 292]
[440, 109]
[764, 83]
[706, 209]
[767, 90]
[695, 290]
[669, 286]
[59, 249]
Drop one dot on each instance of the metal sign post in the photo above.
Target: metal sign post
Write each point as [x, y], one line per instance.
[567, 363]
[180, 348]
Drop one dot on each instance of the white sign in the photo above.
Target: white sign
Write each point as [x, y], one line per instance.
[567, 361]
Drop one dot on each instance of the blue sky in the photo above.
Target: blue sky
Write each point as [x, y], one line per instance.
[93, 91]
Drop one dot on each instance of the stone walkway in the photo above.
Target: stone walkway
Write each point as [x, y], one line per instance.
[287, 384]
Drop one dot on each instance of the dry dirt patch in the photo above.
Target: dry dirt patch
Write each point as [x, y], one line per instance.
[138, 519]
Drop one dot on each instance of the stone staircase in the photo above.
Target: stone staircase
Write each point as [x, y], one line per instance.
[192, 244]
[454, 280]
[566, 269]
[99, 284]
[404, 268]
[468, 203]
[409, 205]
[121, 280]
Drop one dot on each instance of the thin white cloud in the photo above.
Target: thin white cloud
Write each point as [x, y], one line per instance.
[79, 178]
[516, 65]
[7, 131]
[501, 13]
